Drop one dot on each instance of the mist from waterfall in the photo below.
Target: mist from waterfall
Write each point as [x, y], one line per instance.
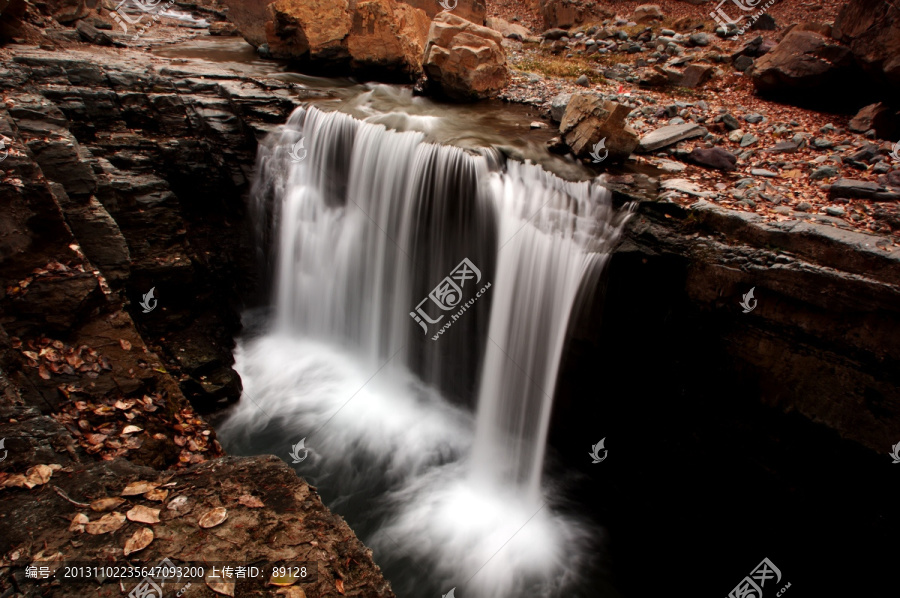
[367, 226]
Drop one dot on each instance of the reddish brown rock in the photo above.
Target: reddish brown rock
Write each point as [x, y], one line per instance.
[567, 13]
[589, 119]
[470, 10]
[806, 66]
[464, 61]
[871, 28]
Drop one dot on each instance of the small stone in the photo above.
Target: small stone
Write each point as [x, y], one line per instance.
[763, 172]
[538, 125]
[821, 143]
[582, 81]
[833, 211]
[823, 172]
[699, 39]
[731, 123]
[783, 147]
[754, 118]
[736, 135]
[782, 210]
[748, 139]
[803, 206]
[742, 63]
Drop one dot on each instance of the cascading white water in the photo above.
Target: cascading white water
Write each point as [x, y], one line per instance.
[363, 227]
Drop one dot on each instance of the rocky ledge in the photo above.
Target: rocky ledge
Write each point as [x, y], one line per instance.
[127, 173]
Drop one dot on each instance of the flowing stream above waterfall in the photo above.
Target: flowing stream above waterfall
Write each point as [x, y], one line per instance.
[421, 295]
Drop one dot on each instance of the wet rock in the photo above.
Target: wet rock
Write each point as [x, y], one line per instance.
[669, 135]
[223, 29]
[589, 119]
[558, 106]
[464, 61]
[685, 186]
[714, 157]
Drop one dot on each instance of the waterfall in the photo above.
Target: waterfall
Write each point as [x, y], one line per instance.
[412, 284]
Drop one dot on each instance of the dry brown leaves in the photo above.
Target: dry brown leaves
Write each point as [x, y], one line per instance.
[53, 270]
[51, 356]
[140, 540]
[142, 514]
[213, 517]
[110, 522]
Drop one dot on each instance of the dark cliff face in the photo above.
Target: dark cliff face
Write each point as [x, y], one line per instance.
[128, 173]
[144, 167]
[733, 435]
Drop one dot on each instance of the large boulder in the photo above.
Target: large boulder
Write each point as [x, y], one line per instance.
[384, 38]
[250, 17]
[506, 28]
[568, 13]
[315, 27]
[589, 119]
[470, 10]
[871, 28]
[464, 61]
[388, 37]
[807, 67]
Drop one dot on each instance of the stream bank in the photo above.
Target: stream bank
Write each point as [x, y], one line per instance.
[142, 162]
